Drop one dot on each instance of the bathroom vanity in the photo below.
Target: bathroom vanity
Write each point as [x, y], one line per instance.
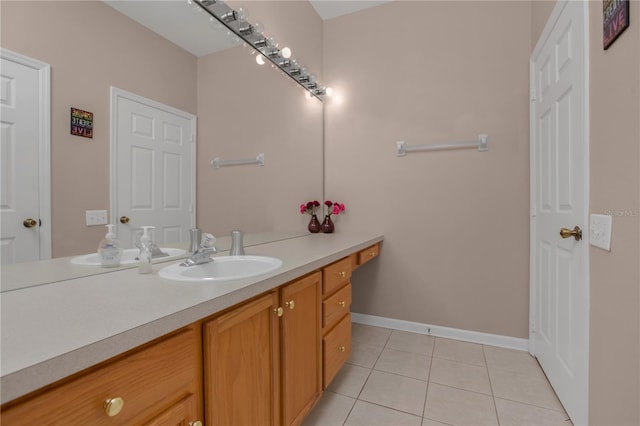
[125, 348]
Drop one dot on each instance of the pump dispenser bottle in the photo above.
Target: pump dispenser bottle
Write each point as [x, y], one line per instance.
[144, 262]
[109, 249]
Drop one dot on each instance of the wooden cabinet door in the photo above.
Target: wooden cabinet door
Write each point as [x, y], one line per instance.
[241, 365]
[301, 347]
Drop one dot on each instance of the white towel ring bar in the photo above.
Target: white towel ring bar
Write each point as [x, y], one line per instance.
[217, 162]
[482, 143]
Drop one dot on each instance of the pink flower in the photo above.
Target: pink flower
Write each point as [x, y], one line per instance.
[334, 207]
[309, 207]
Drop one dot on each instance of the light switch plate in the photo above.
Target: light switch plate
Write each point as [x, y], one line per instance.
[96, 217]
[600, 231]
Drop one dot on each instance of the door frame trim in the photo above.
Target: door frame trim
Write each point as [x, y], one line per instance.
[44, 144]
[117, 93]
[533, 302]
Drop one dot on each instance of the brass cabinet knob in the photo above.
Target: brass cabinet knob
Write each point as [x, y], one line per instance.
[342, 348]
[124, 219]
[290, 304]
[278, 311]
[29, 223]
[342, 274]
[196, 423]
[113, 406]
[342, 303]
[575, 233]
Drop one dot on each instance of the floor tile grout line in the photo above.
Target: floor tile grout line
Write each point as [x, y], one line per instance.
[424, 406]
[493, 396]
[365, 382]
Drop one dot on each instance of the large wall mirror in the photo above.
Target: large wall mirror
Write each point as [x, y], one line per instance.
[242, 110]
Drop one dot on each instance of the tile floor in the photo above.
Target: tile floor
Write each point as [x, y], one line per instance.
[397, 378]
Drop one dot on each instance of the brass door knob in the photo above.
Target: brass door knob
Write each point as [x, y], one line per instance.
[29, 223]
[290, 304]
[575, 233]
[124, 219]
[113, 406]
[278, 311]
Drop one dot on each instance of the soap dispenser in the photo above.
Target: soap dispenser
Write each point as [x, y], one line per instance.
[144, 262]
[109, 249]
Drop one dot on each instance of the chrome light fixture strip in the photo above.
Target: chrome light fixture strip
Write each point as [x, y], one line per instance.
[235, 22]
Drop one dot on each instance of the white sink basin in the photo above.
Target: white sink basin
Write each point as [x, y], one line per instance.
[222, 268]
[129, 257]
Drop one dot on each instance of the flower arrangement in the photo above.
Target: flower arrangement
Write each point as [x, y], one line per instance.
[310, 207]
[334, 207]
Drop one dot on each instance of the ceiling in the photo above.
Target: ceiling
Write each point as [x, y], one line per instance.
[174, 20]
[328, 9]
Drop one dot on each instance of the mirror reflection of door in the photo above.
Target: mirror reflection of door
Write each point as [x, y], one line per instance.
[152, 170]
[24, 159]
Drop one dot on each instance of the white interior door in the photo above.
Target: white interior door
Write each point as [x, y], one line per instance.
[24, 159]
[559, 187]
[152, 168]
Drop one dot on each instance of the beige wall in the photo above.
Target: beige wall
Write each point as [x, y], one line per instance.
[269, 115]
[456, 224]
[90, 47]
[261, 111]
[540, 12]
[614, 383]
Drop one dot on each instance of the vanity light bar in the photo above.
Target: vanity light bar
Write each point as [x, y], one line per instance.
[235, 20]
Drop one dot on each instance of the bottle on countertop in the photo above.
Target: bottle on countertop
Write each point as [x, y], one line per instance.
[109, 249]
[144, 262]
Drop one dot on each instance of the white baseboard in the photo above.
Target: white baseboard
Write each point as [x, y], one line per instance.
[439, 331]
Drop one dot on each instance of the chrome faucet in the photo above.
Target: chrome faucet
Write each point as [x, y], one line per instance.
[203, 253]
[237, 246]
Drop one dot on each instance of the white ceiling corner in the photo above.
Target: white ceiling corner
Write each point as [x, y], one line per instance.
[328, 9]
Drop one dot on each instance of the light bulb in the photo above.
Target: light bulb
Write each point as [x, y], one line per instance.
[272, 42]
[313, 79]
[241, 14]
[260, 59]
[285, 52]
[328, 91]
[257, 28]
[308, 95]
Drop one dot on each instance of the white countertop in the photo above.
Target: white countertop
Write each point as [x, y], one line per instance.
[51, 331]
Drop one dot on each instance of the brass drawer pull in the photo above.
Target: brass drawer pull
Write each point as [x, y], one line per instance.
[342, 348]
[371, 254]
[342, 303]
[113, 406]
[196, 423]
[342, 274]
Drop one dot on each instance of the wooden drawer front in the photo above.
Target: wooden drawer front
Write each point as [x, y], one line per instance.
[336, 275]
[336, 349]
[369, 253]
[148, 381]
[336, 306]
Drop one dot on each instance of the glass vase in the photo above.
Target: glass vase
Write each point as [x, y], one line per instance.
[327, 225]
[314, 224]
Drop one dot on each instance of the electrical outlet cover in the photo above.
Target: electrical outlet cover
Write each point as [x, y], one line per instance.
[600, 231]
